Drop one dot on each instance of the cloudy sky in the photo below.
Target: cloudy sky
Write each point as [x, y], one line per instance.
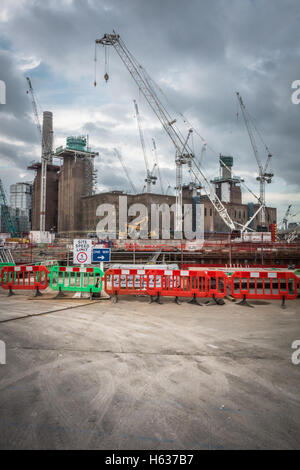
[198, 52]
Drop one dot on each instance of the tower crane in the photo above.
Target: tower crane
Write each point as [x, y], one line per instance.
[157, 165]
[183, 153]
[286, 216]
[264, 175]
[117, 152]
[44, 159]
[150, 179]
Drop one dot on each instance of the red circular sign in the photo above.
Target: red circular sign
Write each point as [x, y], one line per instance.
[81, 257]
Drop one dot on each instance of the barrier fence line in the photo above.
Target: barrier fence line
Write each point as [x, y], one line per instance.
[264, 285]
[75, 279]
[24, 278]
[157, 283]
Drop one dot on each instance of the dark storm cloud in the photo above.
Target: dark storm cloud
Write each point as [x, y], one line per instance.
[199, 52]
[18, 137]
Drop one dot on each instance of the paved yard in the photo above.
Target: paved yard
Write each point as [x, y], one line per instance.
[138, 376]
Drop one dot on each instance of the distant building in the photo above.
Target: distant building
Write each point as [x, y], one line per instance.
[21, 205]
[72, 204]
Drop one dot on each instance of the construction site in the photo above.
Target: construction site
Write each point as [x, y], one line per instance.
[62, 201]
[207, 364]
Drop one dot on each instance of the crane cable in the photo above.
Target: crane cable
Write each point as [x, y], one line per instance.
[95, 66]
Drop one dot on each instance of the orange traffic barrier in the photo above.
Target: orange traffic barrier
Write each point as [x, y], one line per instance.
[24, 278]
[264, 285]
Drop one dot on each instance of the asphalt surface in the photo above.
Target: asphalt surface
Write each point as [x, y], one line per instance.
[98, 375]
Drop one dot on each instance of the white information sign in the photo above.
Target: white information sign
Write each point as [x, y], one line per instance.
[82, 251]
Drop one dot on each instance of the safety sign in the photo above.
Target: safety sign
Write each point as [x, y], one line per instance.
[82, 251]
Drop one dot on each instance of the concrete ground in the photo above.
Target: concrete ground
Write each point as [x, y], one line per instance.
[97, 375]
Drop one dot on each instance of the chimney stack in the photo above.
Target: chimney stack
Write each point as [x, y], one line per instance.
[47, 136]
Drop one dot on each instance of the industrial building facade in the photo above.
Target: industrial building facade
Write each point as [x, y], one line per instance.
[72, 204]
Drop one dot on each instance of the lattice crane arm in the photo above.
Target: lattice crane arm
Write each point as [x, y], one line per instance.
[34, 106]
[143, 82]
[249, 130]
[117, 152]
[138, 118]
[268, 161]
[158, 168]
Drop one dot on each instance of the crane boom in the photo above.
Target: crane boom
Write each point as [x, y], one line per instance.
[158, 169]
[117, 152]
[263, 175]
[150, 179]
[34, 106]
[286, 216]
[249, 130]
[44, 159]
[138, 118]
[184, 154]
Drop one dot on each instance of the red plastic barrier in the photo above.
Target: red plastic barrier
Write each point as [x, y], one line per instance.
[264, 285]
[217, 284]
[179, 283]
[24, 278]
[125, 282]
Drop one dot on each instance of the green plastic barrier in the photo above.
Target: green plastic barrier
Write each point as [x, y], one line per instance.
[75, 279]
[5, 264]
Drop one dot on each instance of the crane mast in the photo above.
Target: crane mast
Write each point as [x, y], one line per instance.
[158, 169]
[150, 179]
[44, 159]
[286, 216]
[117, 152]
[263, 175]
[183, 153]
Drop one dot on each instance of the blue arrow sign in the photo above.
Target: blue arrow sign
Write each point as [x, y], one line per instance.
[101, 254]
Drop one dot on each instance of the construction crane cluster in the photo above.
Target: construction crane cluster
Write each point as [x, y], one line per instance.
[265, 175]
[46, 155]
[184, 154]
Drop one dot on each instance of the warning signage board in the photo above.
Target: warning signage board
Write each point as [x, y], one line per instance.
[82, 251]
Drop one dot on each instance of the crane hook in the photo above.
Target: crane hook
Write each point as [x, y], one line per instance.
[106, 76]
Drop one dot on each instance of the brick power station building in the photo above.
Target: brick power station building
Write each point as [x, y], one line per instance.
[72, 204]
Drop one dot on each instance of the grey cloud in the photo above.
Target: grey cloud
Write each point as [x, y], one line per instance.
[199, 52]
